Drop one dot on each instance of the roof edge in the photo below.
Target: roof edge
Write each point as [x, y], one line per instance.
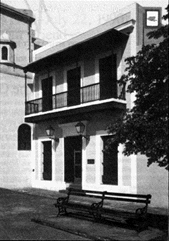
[19, 12]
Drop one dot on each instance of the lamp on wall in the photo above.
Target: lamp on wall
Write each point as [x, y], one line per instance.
[80, 127]
[50, 132]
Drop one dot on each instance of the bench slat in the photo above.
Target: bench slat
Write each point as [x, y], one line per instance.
[85, 192]
[127, 199]
[128, 195]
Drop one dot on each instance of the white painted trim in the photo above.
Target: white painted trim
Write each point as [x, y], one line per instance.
[53, 159]
[97, 102]
[97, 160]
[120, 170]
[33, 164]
[72, 132]
[84, 142]
[134, 173]
[49, 185]
[40, 158]
[62, 140]
[126, 25]
[99, 184]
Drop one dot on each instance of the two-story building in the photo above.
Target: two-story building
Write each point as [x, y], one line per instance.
[76, 96]
[17, 42]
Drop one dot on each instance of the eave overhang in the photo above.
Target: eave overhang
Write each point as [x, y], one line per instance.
[73, 47]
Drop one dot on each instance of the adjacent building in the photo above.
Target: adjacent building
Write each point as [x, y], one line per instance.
[17, 42]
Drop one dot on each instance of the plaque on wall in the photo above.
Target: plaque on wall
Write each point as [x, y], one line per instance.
[90, 161]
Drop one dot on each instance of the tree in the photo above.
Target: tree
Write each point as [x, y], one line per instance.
[144, 128]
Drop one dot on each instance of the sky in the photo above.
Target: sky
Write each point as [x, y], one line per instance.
[58, 20]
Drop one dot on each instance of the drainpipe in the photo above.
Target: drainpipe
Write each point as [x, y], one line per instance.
[143, 29]
[29, 36]
[25, 91]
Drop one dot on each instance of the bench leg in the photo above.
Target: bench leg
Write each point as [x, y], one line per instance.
[95, 210]
[97, 216]
[61, 210]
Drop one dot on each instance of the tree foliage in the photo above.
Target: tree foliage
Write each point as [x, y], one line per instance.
[144, 128]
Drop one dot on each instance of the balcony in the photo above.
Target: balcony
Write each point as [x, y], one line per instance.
[72, 97]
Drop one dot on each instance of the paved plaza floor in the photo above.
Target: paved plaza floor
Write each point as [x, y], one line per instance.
[30, 215]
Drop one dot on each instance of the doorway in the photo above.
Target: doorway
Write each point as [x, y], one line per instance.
[73, 82]
[47, 160]
[73, 159]
[108, 77]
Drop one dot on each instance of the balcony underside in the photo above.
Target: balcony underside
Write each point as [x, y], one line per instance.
[77, 112]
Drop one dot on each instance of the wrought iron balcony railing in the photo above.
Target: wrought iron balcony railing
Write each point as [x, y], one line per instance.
[70, 98]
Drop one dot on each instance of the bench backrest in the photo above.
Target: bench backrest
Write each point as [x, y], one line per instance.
[86, 193]
[104, 195]
[128, 197]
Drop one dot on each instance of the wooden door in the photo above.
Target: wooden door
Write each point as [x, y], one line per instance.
[47, 160]
[108, 77]
[47, 94]
[73, 159]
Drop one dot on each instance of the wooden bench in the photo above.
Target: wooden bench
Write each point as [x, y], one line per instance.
[100, 205]
[85, 204]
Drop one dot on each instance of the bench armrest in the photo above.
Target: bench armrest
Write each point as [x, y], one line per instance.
[62, 200]
[141, 211]
[95, 206]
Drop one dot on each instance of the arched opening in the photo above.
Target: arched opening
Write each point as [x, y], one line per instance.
[4, 53]
[24, 137]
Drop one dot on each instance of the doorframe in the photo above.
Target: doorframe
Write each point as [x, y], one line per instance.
[73, 66]
[40, 159]
[45, 76]
[98, 57]
[99, 168]
[69, 129]
[120, 187]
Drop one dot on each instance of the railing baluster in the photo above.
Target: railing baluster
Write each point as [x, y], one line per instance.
[87, 94]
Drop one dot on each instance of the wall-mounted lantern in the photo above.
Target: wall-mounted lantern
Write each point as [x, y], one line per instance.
[50, 132]
[80, 127]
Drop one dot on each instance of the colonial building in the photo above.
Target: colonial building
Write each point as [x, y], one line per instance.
[17, 41]
[76, 96]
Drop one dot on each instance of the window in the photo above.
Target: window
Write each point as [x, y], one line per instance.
[24, 137]
[4, 53]
[110, 162]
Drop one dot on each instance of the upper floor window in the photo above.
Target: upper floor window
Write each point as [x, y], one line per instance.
[4, 53]
[24, 137]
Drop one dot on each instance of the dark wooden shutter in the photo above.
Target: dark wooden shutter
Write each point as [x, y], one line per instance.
[110, 163]
[108, 77]
[24, 137]
[73, 80]
[47, 160]
[114, 76]
[69, 160]
[47, 94]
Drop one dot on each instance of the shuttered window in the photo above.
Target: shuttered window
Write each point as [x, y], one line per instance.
[24, 137]
[110, 162]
